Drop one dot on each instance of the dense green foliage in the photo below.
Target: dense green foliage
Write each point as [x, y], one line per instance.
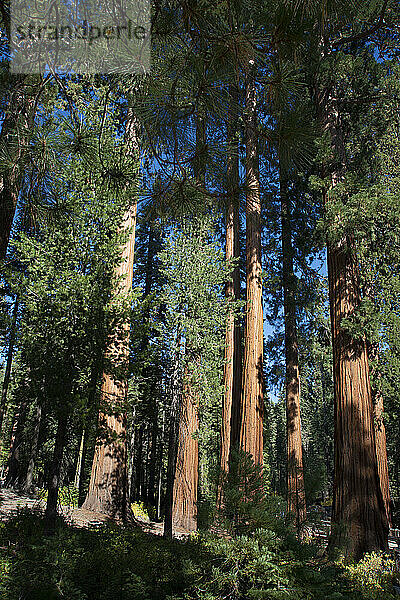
[113, 563]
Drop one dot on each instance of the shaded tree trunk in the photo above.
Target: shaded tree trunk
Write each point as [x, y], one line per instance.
[359, 522]
[232, 367]
[34, 450]
[54, 474]
[295, 476]
[252, 404]
[7, 374]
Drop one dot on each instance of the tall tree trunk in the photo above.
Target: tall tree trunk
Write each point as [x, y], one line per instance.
[108, 487]
[233, 367]
[184, 511]
[295, 476]
[359, 522]
[251, 428]
[7, 374]
[34, 450]
[54, 474]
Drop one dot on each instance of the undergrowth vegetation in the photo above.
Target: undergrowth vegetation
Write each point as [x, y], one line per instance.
[124, 563]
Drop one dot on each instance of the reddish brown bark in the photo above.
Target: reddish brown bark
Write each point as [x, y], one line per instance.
[184, 510]
[108, 481]
[359, 517]
[295, 475]
[359, 522]
[251, 426]
[232, 366]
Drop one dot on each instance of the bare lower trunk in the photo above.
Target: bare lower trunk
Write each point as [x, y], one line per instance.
[295, 475]
[252, 405]
[54, 475]
[184, 510]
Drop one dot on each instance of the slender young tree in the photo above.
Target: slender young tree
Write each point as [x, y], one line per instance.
[232, 366]
[295, 475]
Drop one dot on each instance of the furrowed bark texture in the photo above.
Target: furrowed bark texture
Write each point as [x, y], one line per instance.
[359, 517]
[359, 522]
[232, 368]
[251, 427]
[184, 509]
[295, 475]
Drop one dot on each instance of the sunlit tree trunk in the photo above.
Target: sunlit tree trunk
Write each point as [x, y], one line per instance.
[295, 476]
[252, 405]
[108, 485]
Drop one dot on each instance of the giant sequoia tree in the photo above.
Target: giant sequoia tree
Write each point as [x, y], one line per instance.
[108, 487]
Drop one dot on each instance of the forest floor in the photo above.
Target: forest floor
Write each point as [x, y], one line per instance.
[84, 561]
[11, 502]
